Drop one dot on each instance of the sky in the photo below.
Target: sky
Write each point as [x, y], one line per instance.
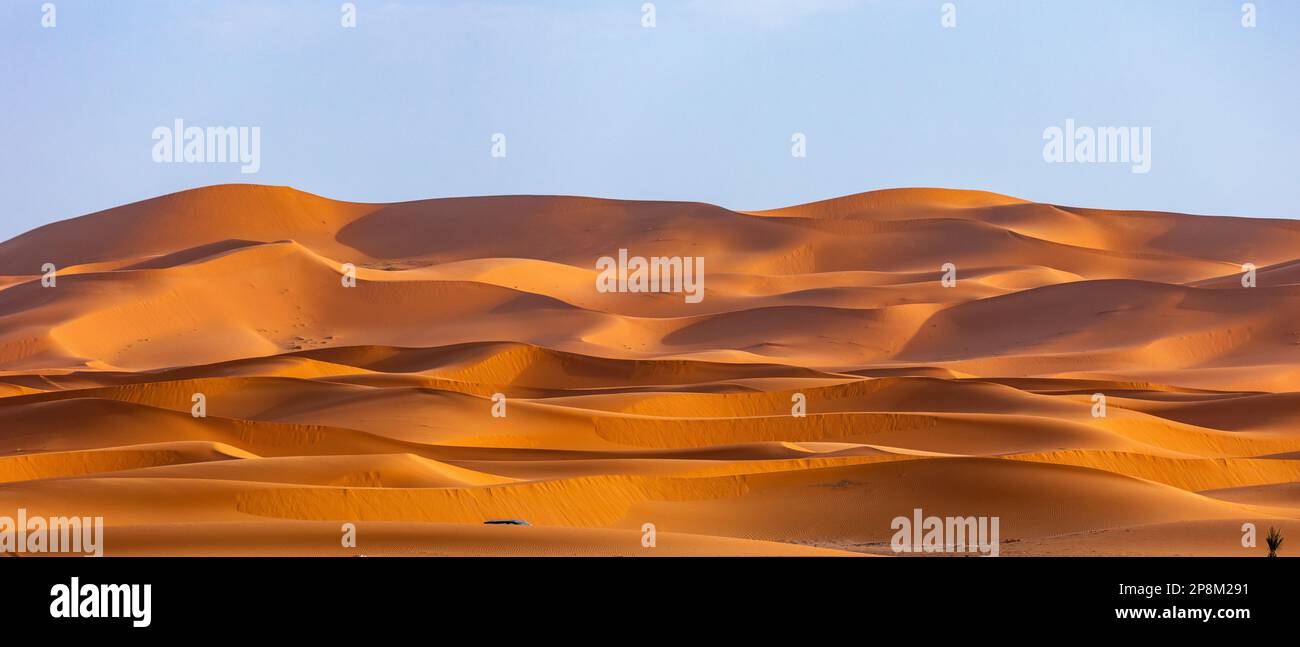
[702, 106]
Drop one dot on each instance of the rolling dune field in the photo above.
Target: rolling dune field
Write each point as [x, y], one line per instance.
[379, 404]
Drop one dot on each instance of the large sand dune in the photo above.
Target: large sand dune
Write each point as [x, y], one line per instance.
[373, 405]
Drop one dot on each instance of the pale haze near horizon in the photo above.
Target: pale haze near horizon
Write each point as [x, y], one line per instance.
[702, 107]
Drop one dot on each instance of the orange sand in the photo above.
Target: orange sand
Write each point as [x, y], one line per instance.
[372, 405]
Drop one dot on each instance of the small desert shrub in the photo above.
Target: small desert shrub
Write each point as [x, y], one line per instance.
[1274, 540]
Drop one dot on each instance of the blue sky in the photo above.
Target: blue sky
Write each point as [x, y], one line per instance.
[701, 107]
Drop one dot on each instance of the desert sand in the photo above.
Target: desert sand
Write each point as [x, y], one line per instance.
[373, 405]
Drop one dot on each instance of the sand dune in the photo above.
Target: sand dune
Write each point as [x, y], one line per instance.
[374, 405]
